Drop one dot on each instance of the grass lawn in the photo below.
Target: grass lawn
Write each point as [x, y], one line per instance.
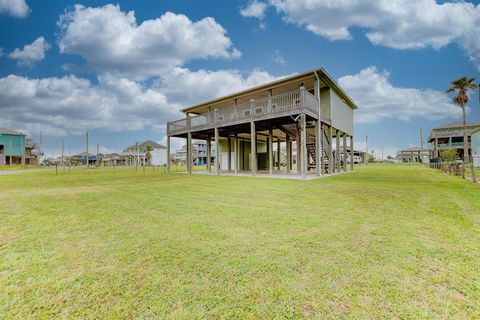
[387, 241]
[19, 167]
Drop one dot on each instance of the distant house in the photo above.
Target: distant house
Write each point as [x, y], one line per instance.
[414, 154]
[476, 147]
[83, 157]
[450, 136]
[16, 148]
[137, 154]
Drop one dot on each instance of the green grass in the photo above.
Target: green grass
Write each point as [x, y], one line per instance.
[19, 167]
[387, 241]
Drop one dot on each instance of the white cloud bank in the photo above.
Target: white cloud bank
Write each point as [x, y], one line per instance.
[16, 8]
[378, 99]
[70, 105]
[31, 53]
[112, 41]
[399, 24]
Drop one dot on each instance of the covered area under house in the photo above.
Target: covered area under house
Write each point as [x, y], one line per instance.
[300, 125]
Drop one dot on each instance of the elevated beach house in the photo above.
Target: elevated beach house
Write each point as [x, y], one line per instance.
[450, 136]
[306, 112]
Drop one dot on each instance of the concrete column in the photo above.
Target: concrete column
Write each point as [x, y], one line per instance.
[168, 153]
[217, 153]
[352, 153]
[253, 148]
[229, 157]
[237, 162]
[304, 144]
[331, 163]
[270, 151]
[189, 152]
[289, 154]
[318, 129]
[278, 154]
[209, 154]
[338, 155]
[344, 153]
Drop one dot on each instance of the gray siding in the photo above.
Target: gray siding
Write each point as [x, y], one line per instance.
[342, 114]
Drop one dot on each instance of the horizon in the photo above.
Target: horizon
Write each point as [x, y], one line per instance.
[114, 70]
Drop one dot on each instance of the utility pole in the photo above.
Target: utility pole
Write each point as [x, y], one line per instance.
[10, 147]
[69, 159]
[366, 149]
[98, 147]
[63, 160]
[421, 145]
[40, 147]
[86, 136]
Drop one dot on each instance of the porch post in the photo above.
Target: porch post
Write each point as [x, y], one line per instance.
[278, 154]
[288, 155]
[304, 145]
[318, 128]
[338, 156]
[236, 153]
[189, 152]
[270, 152]
[229, 158]
[168, 153]
[352, 153]
[253, 148]
[344, 152]
[217, 153]
[299, 151]
[209, 154]
[331, 163]
[322, 147]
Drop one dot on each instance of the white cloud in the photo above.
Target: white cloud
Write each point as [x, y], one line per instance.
[203, 85]
[112, 41]
[277, 58]
[254, 9]
[70, 105]
[407, 24]
[31, 53]
[16, 8]
[378, 99]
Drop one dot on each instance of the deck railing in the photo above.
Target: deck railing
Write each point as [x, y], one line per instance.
[255, 109]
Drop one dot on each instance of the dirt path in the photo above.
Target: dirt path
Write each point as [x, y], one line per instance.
[9, 172]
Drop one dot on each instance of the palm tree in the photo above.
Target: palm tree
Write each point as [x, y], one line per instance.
[148, 154]
[462, 85]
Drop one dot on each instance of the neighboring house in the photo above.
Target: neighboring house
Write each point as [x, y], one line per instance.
[307, 110]
[476, 147]
[16, 148]
[111, 159]
[414, 154]
[199, 154]
[450, 136]
[137, 154]
[83, 157]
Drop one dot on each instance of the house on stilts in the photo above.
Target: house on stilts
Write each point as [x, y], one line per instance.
[257, 130]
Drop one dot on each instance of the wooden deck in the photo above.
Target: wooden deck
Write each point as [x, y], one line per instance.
[290, 103]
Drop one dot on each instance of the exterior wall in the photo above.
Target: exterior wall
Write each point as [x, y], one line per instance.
[342, 114]
[325, 103]
[159, 157]
[17, 144]
[244, 149]
[476, 148]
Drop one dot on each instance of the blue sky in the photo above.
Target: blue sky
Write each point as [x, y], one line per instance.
[122, 69]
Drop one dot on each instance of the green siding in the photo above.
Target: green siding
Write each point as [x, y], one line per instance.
[17, 143]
